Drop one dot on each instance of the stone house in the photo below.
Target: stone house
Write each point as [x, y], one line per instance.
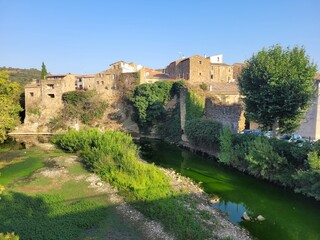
[310, 125]
[193, 69]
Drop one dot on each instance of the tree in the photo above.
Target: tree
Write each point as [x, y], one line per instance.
[277, 85]
[44, 72]
[10, 108]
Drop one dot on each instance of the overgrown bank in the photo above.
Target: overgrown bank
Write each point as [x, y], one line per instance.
[113, 156]
[288, 164]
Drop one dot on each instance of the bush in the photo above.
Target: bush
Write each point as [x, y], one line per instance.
[83, 105]
[113, 156]
[263, 160]
[148, 101]
[203, 131]
[226, 151]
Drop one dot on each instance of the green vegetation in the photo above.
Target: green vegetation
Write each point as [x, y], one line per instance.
[203, 132]
[22, 76]
[113, 156]
[195, 102]
[10, 108]
[34, 111]
[83, 105]
[149, 101]
[8, 236]
[277, 85]
[170, 127]
[40, 205]
[47, 216]
[278, 161]
[21, 169]
[44, 72]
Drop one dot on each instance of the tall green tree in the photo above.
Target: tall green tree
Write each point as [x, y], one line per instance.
[44, 72]
[278, 85]
[9, 102]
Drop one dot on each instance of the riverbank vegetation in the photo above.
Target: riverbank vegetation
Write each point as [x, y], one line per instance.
[114, 157]
[291, 165]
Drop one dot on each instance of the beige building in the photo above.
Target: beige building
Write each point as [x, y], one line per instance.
[193, 69]
[310, 126]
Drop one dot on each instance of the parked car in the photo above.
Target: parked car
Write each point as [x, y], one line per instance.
[268, 134]
[251, 131]
[291, 137]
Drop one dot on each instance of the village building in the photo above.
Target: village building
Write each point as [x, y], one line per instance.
[310, 125]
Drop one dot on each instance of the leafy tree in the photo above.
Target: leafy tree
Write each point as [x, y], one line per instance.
[277, 85]
[44, 72]
[10, 108]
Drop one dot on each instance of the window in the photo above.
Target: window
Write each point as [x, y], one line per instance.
[102, 82]
[200, 62]
[51, 95]
[50, 86]
[218, 59]
[98, 82]
[200, 74]
[211, 76]
[31, 94]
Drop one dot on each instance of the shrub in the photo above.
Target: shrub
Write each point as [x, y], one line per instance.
[203, 131]
[263, 160]
[113, 156]
[226, 151]
[83, 105]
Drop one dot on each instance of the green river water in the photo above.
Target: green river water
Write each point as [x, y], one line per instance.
[289, 216]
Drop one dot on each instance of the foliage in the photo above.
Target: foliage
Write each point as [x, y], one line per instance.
[148, 101]
[204, 86]
[47, 216]
[9, 236]
[225, 146]
[194, 105]
[85, 106]
[278, 161]
[203, 131]
[44, 72]
[277, 85]
[22, 76]
[34, 111]
[10, 108]
[170, 128]
[263, 160]
[113, 156]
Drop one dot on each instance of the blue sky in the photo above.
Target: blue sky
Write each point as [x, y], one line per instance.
[86, 36]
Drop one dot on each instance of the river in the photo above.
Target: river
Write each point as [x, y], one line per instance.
[289, 216]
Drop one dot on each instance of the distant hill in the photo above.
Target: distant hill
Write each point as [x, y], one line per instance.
[22, 76]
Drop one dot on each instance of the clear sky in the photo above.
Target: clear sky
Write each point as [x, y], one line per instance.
[79, 36]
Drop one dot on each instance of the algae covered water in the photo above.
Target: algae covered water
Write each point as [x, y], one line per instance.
[289, 216]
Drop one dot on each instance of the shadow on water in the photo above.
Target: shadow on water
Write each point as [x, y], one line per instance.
[288, 215]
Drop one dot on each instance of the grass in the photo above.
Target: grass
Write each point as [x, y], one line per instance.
[113, 156]
[40, 207]
[21, 169]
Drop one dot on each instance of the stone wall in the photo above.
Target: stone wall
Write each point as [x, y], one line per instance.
[229, 115]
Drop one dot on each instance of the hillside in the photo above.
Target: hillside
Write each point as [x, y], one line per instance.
[22, 76]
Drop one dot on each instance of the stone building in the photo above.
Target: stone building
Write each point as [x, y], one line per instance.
[221, 73]
[193, 69]
[237, 68]
[310, 125]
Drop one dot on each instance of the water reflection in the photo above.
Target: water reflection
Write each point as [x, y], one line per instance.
[289, 216]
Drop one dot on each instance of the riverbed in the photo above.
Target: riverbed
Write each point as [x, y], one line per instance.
[288, 215]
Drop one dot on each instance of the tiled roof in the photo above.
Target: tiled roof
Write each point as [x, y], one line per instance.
[224, 88]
